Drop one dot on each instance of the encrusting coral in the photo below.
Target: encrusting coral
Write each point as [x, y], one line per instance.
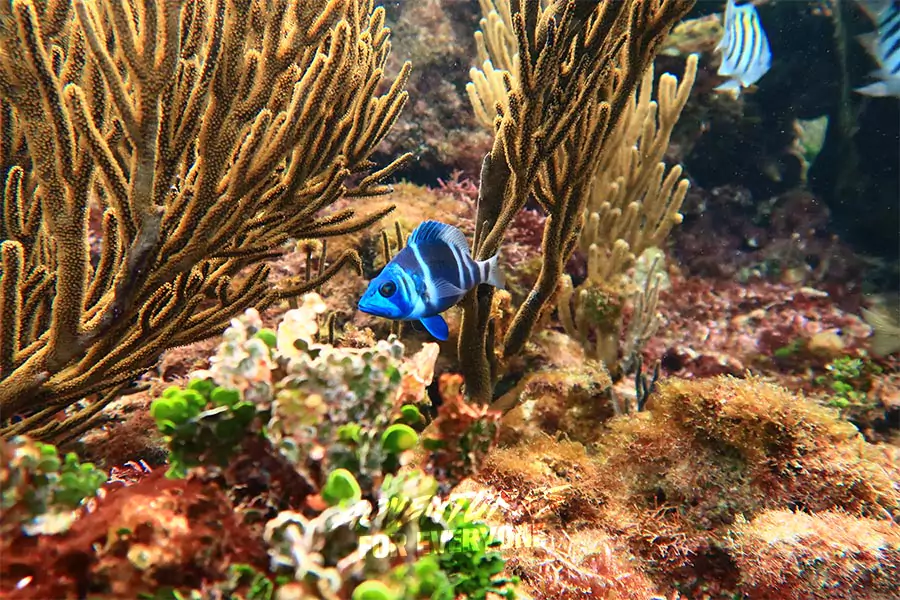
[577, 65]
[207, 133]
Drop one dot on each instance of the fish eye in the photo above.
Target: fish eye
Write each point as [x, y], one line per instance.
[387, 289]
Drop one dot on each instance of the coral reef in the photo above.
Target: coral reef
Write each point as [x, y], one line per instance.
[204, 145]
[40, 491]
[437, 126]
[560, 87]
[699, 489]
[156, 533]
[253, 465]
[712, 411]
[715, 327]
[788, 238]
[787, 554]
[561, 390]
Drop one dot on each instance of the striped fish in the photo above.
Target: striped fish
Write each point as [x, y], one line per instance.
[746, 56]
[432, 273]
[884, 46]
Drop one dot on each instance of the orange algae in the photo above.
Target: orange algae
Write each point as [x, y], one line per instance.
[832, 554]
[671, 490]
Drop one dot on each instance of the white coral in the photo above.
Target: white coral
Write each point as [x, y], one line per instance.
[300, 324]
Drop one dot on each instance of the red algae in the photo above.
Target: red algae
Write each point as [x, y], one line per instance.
[156, 532]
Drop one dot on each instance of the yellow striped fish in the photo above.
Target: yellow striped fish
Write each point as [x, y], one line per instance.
[746, 55]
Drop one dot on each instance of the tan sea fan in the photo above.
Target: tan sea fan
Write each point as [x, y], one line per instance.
[207, 133]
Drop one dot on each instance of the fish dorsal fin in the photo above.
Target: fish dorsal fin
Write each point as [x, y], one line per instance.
[869, 41]
[433, 231]
[874, 8]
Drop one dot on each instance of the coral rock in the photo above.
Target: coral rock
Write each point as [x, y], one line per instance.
[566, 392]
[793, 555]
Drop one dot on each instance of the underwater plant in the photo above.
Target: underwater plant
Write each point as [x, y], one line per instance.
[722, 488]
[830, 555]
[849, 381]
[347, 422]
[577, 66]
[189, 141]
[197, 434]
[41, 490]
[264, 497]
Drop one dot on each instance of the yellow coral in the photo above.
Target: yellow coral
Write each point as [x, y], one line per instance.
[633, 206]
[204, 134]
[576, 67]
[633, 201]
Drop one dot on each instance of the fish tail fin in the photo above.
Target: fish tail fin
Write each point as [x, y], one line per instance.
[876, 90]
[886, 332]
[494, 274]
[884, 344]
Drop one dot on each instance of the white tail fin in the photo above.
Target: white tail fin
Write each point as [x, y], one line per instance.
[878, 89]
[494, 275]
[886, 331]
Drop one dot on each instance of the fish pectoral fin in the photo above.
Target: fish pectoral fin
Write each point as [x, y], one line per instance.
[436, 326]
[731, 86]
[445, 289]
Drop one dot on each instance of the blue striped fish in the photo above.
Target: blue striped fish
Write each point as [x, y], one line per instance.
[431, 274]
[745, 48]
[884, 46]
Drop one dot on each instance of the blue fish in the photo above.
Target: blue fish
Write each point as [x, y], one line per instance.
[884, 46]
[432, 273]
[746, 55]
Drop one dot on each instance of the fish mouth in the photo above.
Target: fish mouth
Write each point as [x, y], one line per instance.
[365, 307]
[370, 309]
[375, 309]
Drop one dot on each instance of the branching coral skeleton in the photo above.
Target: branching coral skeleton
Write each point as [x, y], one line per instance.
[563, 92]
[207, 133]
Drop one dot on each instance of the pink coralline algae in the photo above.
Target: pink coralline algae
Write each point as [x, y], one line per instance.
[722, 327]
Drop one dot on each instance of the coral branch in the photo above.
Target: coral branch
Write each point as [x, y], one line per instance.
[207, 133]
[568, 73]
